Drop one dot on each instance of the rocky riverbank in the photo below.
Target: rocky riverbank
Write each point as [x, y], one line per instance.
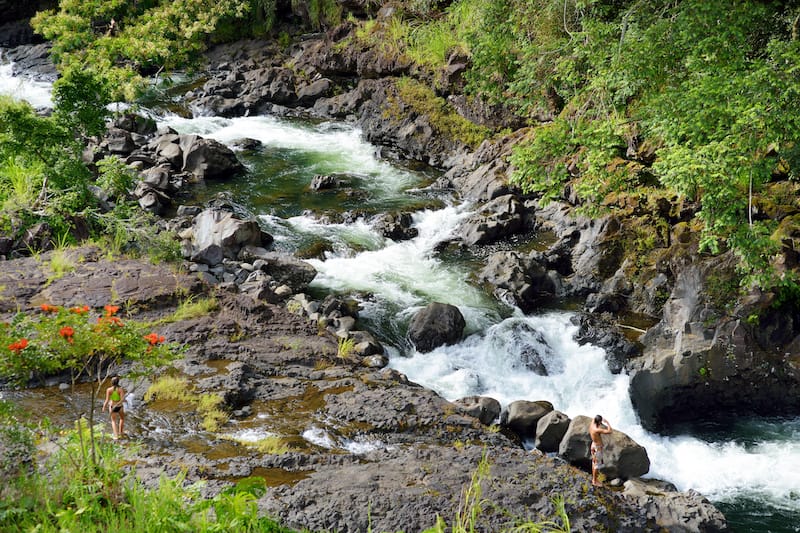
[277, 347]
[423, 450]
[705, 350]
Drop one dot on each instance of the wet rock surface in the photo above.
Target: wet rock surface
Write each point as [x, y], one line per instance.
[387, 452]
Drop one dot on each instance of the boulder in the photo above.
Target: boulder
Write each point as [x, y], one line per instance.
[208, 159]
[550, 429]
[322, 182]
[157, 177]
[219, 233]
[595, 330]
[528, 345]
[436, 325]
[522, 417]
[672, 510]
[521, 280]
[366, 345]
[483, 408]
[496, 220]
[307, 95]
[118, 141]
[398, 227]
[622, 457]
[284, 269]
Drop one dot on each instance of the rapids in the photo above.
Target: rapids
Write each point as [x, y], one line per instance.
[747, 467]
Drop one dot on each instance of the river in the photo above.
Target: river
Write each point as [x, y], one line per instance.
[747, 467]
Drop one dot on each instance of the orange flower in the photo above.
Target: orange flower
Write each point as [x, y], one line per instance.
[110, 320]
[79, 310]
[67, 332]
[111, 309]
[18, 346]
[47, 308]
[154, 338]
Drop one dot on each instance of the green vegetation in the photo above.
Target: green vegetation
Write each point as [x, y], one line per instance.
[190, 308]
[58, 339]
[47, 180]
[146, 37]
[694, 101]
[66, 493]
[208, 405]
[271, 445]
[43, 179]
[710, 89]
[345, 347]
[423, 101]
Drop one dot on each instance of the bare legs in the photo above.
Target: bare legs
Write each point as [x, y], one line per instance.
[118, 423]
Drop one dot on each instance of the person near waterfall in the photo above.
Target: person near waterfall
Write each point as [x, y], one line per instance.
[115, 400]
[597, 428]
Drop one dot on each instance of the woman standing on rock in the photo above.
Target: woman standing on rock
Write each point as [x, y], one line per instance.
[115, 400]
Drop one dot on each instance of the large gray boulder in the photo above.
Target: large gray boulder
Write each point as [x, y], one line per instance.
[220, 234]
[622, 457]
[207, 158]
[550, 429]
[483, 408]
[522, 417]
[436, 325]
[672, 510]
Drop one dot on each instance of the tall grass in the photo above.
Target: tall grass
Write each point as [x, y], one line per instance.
[345, 347]
[190, 308]
[19, 183]
[65, 494]
[431, 42]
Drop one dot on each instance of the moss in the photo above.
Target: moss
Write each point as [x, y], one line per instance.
[723, 287]
[423, 101]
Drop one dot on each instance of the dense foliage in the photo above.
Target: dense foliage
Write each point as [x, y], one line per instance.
[125, 42]
[697, 98]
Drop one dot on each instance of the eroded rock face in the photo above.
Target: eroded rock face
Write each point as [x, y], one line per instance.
[666, 506]
[496, 220]
[694, 358]
[522, 280]
[411, 484]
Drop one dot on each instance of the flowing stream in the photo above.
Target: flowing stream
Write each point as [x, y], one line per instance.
[747, 467]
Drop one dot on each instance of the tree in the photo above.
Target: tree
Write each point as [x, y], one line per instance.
[75, 340]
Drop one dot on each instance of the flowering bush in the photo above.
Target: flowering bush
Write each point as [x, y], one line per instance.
[58, 338]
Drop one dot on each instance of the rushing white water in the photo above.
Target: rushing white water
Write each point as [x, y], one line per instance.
[331, 147]
[36, 93]
[756, 460]
[358, 446]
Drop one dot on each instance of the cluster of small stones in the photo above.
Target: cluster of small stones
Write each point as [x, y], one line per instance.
[339, 316]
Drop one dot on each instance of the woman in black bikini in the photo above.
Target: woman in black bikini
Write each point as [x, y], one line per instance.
[115, 400]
